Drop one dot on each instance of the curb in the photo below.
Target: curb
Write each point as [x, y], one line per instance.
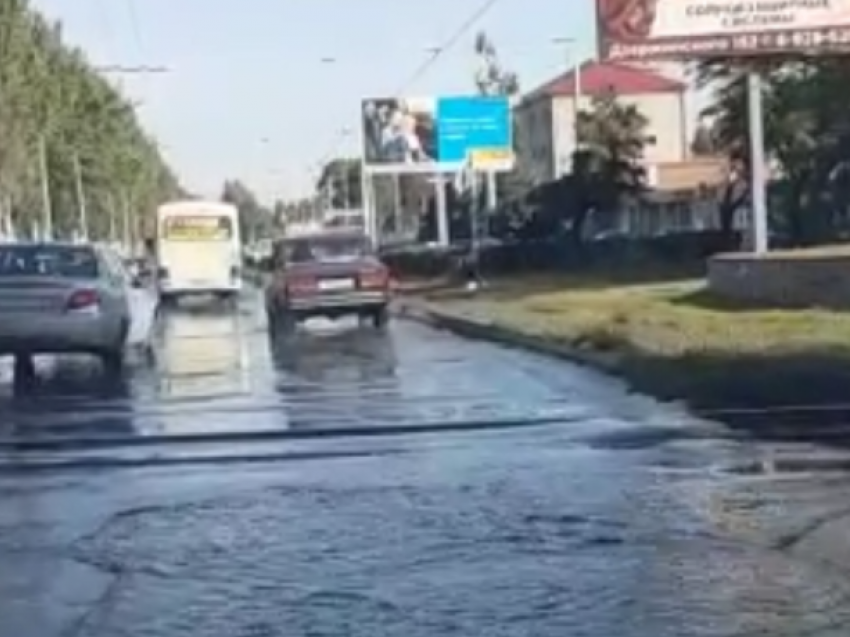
[487, 331]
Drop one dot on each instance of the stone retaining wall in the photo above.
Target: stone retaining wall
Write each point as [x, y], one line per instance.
[788, 279]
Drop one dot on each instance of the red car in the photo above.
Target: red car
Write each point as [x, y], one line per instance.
[329, 274]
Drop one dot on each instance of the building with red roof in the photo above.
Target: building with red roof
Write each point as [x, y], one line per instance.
[545, 117]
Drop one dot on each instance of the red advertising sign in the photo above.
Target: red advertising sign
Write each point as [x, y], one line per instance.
[682, 29]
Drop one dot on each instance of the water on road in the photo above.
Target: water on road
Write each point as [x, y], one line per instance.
[229, 490]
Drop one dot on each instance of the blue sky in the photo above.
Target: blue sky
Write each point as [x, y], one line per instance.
[248, 95]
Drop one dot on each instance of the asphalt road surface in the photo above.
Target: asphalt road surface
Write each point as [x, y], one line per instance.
[227, 491]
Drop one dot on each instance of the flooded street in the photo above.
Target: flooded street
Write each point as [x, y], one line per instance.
[401, 483]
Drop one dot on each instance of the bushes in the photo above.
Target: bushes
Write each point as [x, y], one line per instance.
[515, 257]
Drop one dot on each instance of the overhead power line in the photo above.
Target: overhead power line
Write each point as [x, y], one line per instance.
[120, 68]
[451, 41]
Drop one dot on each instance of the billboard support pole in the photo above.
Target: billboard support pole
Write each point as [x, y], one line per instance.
[758, 177]
[397, 204]
[368, 203]
[443, 238]
[492, 192]
[473, 266]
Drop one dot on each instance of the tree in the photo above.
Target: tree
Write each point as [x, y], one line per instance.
[703, 143]
[342, 179]
[493, 78]
[54, 105]
[807, 135]
[254, 219]
[608, 167]
[279, 215]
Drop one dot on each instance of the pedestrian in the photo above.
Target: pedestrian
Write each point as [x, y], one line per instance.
[471, 271]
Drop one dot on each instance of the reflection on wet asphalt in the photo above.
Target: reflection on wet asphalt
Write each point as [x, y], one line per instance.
[609, 522]
[215, 372]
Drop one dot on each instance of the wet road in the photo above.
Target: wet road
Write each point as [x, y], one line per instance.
[572, 509]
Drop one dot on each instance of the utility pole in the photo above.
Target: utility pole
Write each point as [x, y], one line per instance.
[5, 223]
[125, 211]
[345, 133]
[47, 202]
[573, 61]
[346, 176]
[113, 226]
[82, 204]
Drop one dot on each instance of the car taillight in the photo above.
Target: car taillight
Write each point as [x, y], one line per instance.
[374, 279]
[300, 285]
[82, 300]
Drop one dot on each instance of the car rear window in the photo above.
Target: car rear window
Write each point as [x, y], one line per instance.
[58, 261]
[325, 249]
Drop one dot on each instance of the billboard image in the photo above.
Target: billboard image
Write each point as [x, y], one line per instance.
[659, 29]
[437, 134]
[399, 131]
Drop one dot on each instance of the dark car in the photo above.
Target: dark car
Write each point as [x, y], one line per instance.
[328, 274]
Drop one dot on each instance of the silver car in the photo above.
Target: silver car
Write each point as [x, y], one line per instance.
[64, 298]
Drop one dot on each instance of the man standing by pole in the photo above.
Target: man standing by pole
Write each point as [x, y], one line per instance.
[473, 264]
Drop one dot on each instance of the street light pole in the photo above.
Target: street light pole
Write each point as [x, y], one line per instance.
[573, 61]
[125, 213]
[113, 226]
[345, 133]
[47, 200]
[82, 204]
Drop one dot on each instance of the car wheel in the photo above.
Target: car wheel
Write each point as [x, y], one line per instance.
[381, 317]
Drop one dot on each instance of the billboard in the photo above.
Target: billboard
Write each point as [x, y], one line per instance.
[437, 134]
[659, 29]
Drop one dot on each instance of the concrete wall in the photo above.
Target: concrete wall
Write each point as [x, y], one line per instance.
[792, 280]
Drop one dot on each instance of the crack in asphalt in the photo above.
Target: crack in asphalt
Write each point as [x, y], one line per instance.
[791, 540]
[90, 619]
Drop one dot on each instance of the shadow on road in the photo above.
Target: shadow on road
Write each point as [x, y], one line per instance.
[339, 377]
[360, 355]
[70, 398]
[201, 306]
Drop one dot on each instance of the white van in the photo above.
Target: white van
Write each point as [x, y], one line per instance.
[198, 250]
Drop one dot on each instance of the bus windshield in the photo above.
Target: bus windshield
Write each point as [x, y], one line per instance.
[198, 228]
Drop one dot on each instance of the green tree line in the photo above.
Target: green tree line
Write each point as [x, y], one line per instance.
[64, 125]
[807, 139]
[807, 145]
